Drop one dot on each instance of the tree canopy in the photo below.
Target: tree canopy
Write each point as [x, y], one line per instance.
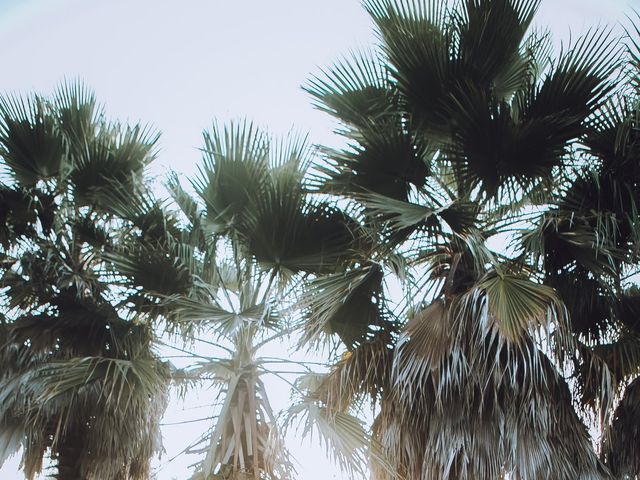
[467, 261]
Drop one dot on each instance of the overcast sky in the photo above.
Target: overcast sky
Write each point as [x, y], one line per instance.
[179, 64]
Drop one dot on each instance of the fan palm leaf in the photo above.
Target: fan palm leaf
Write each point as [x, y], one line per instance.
[77, 373]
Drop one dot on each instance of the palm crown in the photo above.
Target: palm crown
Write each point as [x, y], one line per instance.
[462, 128]
[79, 378]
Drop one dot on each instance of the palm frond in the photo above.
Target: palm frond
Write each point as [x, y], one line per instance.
[115, 396]
[10, 440]
[490, 37]
[604, 370]
[30, 144]
[356, 90]
[346, 304]
[130, 400]
[187, 205]
[478, 383]
[343, 435]
[386, 159]
[633, 50]
[185, 310]
[317, 238]
[398, 215]
[159, 270]
[79, 115]
[363, 371]
[234, 169]
[519, 305]
[17, 214]
[417, 42]
[114, 158]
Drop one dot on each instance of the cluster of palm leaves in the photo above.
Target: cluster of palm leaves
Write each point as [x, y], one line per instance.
[79, 377]
[467, 261]
[463, 132]
[223, 273]
[498, 187]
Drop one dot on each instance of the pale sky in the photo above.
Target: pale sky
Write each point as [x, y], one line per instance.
[179, 64]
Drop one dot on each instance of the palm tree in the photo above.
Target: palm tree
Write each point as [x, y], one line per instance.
[463, 132]
[80, 382]
[227, 273]
[601, 200]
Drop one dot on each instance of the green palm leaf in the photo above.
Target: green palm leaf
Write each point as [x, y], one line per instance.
[30, 145]
[356, 90]
[519, 305]
[346, 304]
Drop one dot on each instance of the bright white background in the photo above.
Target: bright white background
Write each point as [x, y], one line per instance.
[179, 64]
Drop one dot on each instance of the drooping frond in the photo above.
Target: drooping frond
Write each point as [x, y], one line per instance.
[362, 372]
[454, 358]
[343, 435]
[345, 304]
[123, 399]
[622, 440]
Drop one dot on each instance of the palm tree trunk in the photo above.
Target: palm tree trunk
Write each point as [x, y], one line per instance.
[70, 453]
